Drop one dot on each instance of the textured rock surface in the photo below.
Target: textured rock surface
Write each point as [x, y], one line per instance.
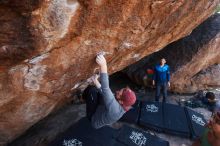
[207, 78]
[49, 46]
[194, 60]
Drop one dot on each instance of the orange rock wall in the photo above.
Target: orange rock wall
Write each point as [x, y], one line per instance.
[49, 46]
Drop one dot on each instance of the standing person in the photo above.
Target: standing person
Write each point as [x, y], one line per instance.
[161, 79]
[102, 108]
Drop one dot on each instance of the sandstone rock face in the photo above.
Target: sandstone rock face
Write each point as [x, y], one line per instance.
[49, 46]
[194, 60]
[207, 78]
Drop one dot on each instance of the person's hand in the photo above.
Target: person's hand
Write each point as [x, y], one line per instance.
[168, 84]
[100, 59]
[153, 83]
[96, 81]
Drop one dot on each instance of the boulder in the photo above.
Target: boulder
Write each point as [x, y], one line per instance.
[207, 78]
[47, 47]
[194, 60]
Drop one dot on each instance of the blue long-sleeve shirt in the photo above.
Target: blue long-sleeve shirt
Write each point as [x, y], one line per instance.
[109, 111]
[161, 74]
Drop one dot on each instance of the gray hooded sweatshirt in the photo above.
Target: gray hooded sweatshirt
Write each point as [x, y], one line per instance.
[109, 111]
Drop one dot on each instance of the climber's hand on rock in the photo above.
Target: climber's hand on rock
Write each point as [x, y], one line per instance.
[100, 59]
[96, 81]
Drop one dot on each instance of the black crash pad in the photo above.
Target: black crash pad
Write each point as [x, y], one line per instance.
[133, 137]
[83, 134]
[197, 123]
[151, 115]
[132, 116]
[175, 120]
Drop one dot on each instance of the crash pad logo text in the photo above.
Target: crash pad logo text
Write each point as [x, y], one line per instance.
[138, 138]
[198, 120]
[72, 142]
[152, 108]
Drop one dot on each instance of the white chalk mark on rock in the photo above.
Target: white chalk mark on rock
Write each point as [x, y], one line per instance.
[76, 86]
[64, 10]
[83, 83]
[88, 42]
[18, 67]
[127, 45]
[136, 56]
[34, 76]
[104, 53]
[38, 59]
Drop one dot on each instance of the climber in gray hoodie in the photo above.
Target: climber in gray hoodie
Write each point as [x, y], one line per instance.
[102, 107]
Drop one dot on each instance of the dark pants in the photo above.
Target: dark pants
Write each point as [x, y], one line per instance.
[92, 98]
[164, 91]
